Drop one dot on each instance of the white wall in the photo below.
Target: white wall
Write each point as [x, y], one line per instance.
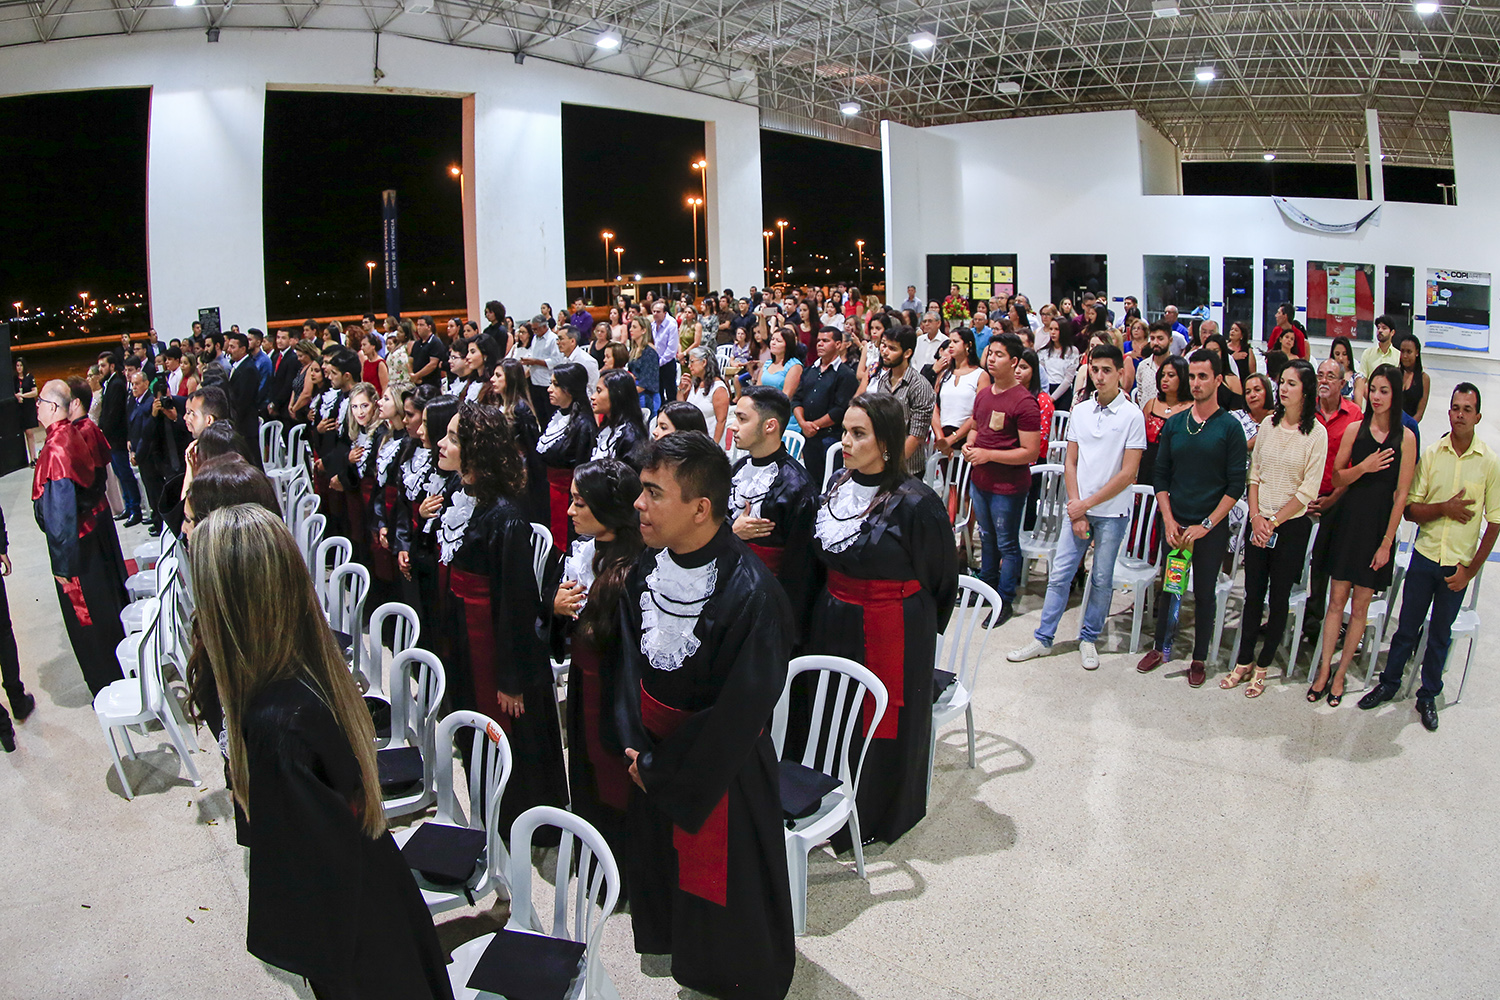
[207, 123]
[1028, 187]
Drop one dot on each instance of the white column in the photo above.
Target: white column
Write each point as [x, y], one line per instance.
[1372, 143]
[732, 147]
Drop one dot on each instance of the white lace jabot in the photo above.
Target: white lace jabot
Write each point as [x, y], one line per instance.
[556, 428]
[670, 607]
[384, 457]
[750, 485]
[455, 521]
[578, 566]
[840, 519]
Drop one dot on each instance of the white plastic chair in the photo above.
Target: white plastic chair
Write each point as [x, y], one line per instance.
[309, 535]
[541, 548]
[297, 487]
[828, 469]
[724, 354]
[1379, 619]
[303, 509]
[1057, 437]
[1136, 565]
[794, 443]
[1465, 626]
[1296, 603]
[133, 615]
[148, 552]
[961, 656]
[407, 626]
[418, 684]
[954, 473]
[330, 554]
[142, 583]
[489, 773]
[836, 716]
[344, 607]
[1051, 517]
[597, 876]
[270, 443]
[133, 701]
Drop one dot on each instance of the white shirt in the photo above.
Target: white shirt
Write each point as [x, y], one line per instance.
[174, 381]
[1102, 434]
[544, 348]
[926, 350]
[956, 398]
[705, 401]
[582, 357]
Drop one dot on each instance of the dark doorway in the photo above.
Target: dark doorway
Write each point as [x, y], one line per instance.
[1279, 283]
[1400, 295]
[1176, 281]
[1239, 294]
[1073, 274]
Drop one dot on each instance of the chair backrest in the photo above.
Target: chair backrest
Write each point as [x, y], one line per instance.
[835, 716]
[956, 476]
[405, 627]
[961, 648]
[794, 443]
[1059, 429]
[348, 586]
[541, 548]
[270, 442]
[309, 536]
[724, 353]
[306, 507]
[292, 453]
[1142, 544]
[828, 469]
[488, 773]
[594, 898]
[297, 487]
[330, 554]
[1052, 507]
[148, 659]
[418, 684]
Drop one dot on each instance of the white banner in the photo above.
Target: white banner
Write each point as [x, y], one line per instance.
[1298, 217]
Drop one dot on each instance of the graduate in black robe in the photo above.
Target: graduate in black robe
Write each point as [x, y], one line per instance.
[511, 389]
[622, 432]
[584, 593]
[366, 434]
[329, 416]
[89, 589]
[423, 494]
[567, 441]
[493, 620]
[888, 584]
[704, 645]
[771, 495]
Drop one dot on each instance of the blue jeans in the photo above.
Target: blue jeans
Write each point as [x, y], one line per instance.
[130, 492]
[999, 519]
[1106, 534]
[1425, 587]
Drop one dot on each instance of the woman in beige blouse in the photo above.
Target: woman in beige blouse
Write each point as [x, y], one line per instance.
[1286, 470]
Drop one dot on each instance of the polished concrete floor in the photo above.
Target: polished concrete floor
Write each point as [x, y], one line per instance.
[1121, 836]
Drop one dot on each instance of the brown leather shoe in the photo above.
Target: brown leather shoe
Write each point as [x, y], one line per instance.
[1151, 661]
[1197, 673]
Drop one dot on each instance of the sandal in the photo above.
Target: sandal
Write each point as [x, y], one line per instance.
[1236, 677]
[1257, 684]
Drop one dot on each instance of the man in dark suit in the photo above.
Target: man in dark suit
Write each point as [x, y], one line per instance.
[827, 386]
[113, 421]
[148, 447]
[284, 368]
[244, 393]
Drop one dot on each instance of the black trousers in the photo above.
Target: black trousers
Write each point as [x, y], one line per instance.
[540, 404]
[1276, 570]
[10, 661]
[1207, 558]
[154, 478]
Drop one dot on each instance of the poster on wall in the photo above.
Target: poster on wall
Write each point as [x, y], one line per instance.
[1340, 300]
[977, 275]
[1458, 309]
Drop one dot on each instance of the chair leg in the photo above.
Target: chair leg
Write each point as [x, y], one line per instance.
[931, 759]
[796, 867]
[1297, 619]
[1135, 623]
[969, 714]
[114, 751]
[129, 747]
[1468, 658]
[1372, 638]
[859, 846]
[170, 725]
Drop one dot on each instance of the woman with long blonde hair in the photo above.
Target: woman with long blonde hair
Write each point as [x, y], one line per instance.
[330, 897]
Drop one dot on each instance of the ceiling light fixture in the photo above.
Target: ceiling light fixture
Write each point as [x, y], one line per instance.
[185, 3]
[1007, 87]
[1409, 56]
[1268, 156]
[1165, 8]
[1426, 7]
[1206, 74]
[923, 41]
[609, 40]
[849, 107]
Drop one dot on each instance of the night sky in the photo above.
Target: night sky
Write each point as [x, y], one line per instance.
[831, 195]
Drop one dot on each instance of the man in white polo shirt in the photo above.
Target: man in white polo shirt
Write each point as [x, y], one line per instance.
[1106, 438]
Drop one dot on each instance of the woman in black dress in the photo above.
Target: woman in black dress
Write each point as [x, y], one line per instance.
[423, 494]
[385, 492]
[586, 603]
[1375, 461]
[1416, 384]
[26, 395]
[888, 579]
[509, 385]
[494, 629]
[330, 897]
[622, 433]
[566, 442]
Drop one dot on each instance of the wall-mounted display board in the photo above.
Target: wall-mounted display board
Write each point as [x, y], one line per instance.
[1340, 300]
[1458, 310]
[1279, 282]
[977, 275]
[1073, 274]
[1176, 281]
[1401, 296]
[1239, 294]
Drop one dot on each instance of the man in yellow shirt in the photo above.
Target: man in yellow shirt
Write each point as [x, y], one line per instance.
[1457, 479]
[1382, 352]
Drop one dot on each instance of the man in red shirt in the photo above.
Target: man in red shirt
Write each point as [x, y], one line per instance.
[1285, 321]
[1006, 439]
[1335, 413]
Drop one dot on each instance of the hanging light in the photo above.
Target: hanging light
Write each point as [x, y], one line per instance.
[1206, 74]
[849, 107]
[608, 39]
[1426, 7]
[922, 41]
[1268, 156]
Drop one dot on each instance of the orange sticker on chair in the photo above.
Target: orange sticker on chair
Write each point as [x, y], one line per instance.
[493, 732]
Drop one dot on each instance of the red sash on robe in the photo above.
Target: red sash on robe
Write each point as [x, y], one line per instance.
[885, 638]
[474, 591]
[67, 454]
[702, 857]
[611, 777]
[560, 482]
[771, 555]
[380, 558]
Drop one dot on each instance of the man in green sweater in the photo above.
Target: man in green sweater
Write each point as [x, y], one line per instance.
[1200, 473]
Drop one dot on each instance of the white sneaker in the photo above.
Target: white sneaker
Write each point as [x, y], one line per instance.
[1030, 651]
[1089, 653]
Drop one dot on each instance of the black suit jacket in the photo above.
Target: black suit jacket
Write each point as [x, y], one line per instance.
[279, 387]
[113, 419]
[244, 405]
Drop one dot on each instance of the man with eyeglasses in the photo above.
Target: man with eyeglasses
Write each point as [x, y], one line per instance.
[89, 590]
[1335, 413]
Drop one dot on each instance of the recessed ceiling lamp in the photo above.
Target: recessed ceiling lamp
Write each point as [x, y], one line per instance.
[849, 107]
[608, 39]
[185, 3]
[922, 41]
[1206, 74]
[1268, 156]
[1165, 8]
[1409, 56]
[1007, 87]
[1426, 7]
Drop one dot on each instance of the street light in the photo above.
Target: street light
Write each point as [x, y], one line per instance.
[695, 204]
[619, 268]
[701, 165]
[17, 307]
[859, 246]
[370, 293]
[781, 225]
[606, 236]
[767, 234]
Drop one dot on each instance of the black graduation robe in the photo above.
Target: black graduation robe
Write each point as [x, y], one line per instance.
[331, 451]
[496, 640]
[419, 478]
[624, 441]
[789, 502]
[523, 424]
[94, 594]
[907, 538]
[326, 901]
[712, 783]
[561, 455]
